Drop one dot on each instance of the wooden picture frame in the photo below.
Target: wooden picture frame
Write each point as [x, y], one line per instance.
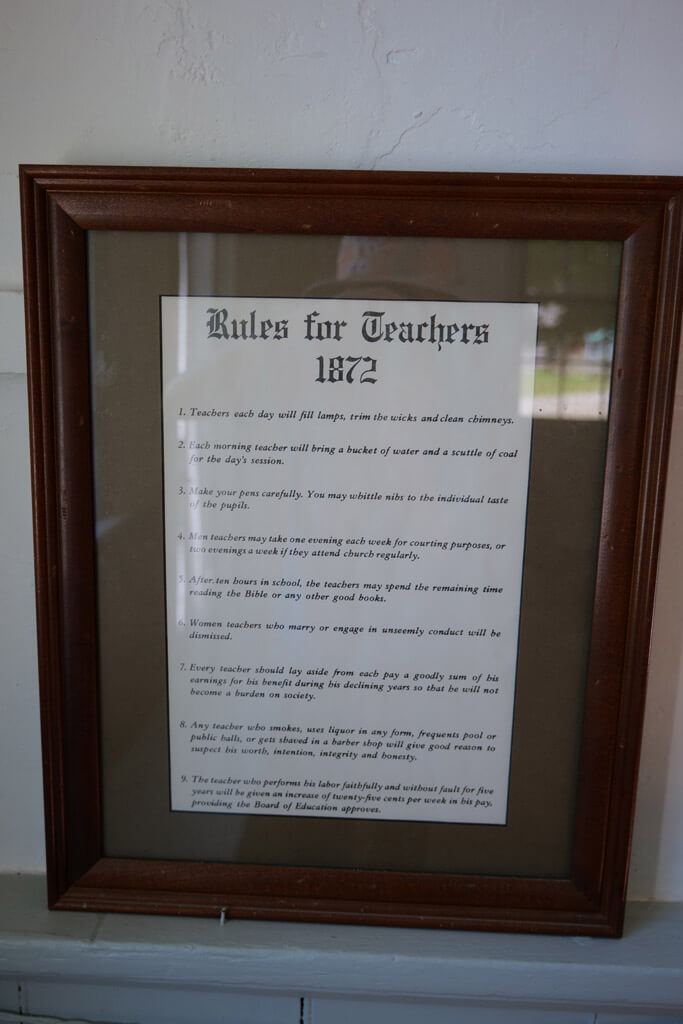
[61, 208]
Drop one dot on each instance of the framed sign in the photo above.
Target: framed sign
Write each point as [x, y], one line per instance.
[347, 495]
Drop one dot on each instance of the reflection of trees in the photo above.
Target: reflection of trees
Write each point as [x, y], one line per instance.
[576, 284]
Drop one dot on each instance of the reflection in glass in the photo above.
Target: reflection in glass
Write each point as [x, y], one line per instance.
[575, 283]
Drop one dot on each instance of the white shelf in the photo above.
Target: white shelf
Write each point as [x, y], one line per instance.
[111, 967]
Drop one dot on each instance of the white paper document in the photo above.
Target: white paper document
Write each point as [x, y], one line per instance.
[345, 506]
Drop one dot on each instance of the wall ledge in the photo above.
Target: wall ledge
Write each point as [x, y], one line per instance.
[283, 963]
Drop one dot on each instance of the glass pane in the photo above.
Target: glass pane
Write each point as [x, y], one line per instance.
[576, 285]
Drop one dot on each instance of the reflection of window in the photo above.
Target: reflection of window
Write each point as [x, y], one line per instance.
[572, 381]
[576, 284]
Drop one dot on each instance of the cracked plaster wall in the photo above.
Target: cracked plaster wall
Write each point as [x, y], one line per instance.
[530, 85]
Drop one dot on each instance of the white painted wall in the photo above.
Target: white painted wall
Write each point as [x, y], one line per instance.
[494, 85]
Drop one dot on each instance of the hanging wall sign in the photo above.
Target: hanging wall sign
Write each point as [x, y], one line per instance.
[347, 495]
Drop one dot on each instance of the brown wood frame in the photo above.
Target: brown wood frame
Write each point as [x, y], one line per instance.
[59, 205]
